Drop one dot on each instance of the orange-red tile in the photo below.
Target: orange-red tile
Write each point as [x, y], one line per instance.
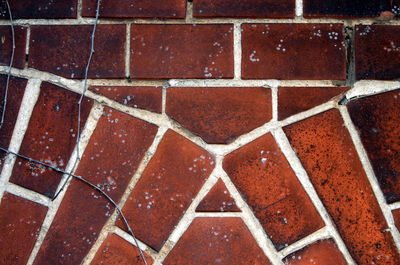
[218, 199]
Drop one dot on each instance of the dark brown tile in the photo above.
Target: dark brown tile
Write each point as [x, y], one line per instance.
[219, 114]
[217, 240]
[50, 138]
[293, 51]
[40, 9]
[7, 44]
[326, 151]
[377, 120]
[268, 184]
[167, 187]
[182, 51]
[112, 156]
[64, 50]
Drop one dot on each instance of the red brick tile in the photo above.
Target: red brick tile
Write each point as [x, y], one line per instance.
[219, 114]
[36, 9]
[137, 9]
[377, 52]
[293, 100]
[148, 98]
[323, 252]
[217, 241]
[117, 251]
[6, 46]
[377, 119]
[268, 184]
[112, 156]
[20, 223]
[64, 50]
[327, 153]
[396, 217]
[182, 51]
[218, 199]
[167, 187]
[16, 90]
[50, 138]
[244, 8]
[293, 51]
[345, 9]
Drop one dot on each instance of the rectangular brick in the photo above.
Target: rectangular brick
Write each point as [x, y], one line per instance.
[20, 223]
[345, 9]
[50, 138]
[112, 156]
[244, 8]
[293, 51]
[377, 52]
[6, 46]
[135, 9]
[181, 51]
[326, 151]
[40, 9]
[64, 50]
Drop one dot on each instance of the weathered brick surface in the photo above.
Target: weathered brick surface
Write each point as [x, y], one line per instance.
[293, 51]
[167, 187]
[64, 50]
[327, 153]
[136, 9]
[377, 119]
[244, 8]
[6, 46]
[217, 241]
[218, 199]
[267, 183]
[219, 114]
[20, 223]
[117, 251]
[324, 252]
[148, 98]
[182, 51]
[396, 217]
[50, 138]
[377, 52]
[112, 156]
[293, 100]
[36, 9]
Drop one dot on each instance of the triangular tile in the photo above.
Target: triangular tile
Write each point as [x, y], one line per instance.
[218, 199]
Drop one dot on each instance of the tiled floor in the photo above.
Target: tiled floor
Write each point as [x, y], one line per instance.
[227, 132]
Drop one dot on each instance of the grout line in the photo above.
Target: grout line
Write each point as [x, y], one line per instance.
[126, 236]
[362, 154]
[218, 214]
[302, 176]
[189, 12]
[394, 206]
[164, 99]
[31, 94]
[128, 51]
[28, 38]
[365, 88]
[274, 96]
[237, 51]
[27, 194]
[79, 10]
[87, 131]
[350, 55]
[299, 9]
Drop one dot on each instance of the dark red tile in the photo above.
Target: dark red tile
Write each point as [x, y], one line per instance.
[117, 251]
[16, 90]
[244, 8]
[268, 184]
[50, 138]
[377, 120]
[217, 240]
[40, 9]
[64, 50]
[148, 98]
[167, 187]
[293, 51]
[112, 156]
[136, 9]
[20, 223]
[345, 9]
[293, 100]
[377, 52]
[219, 114]
[396, 217]
[7, 44]
[324, 252]
[326, 151]
[218, 199]
[182, 51]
